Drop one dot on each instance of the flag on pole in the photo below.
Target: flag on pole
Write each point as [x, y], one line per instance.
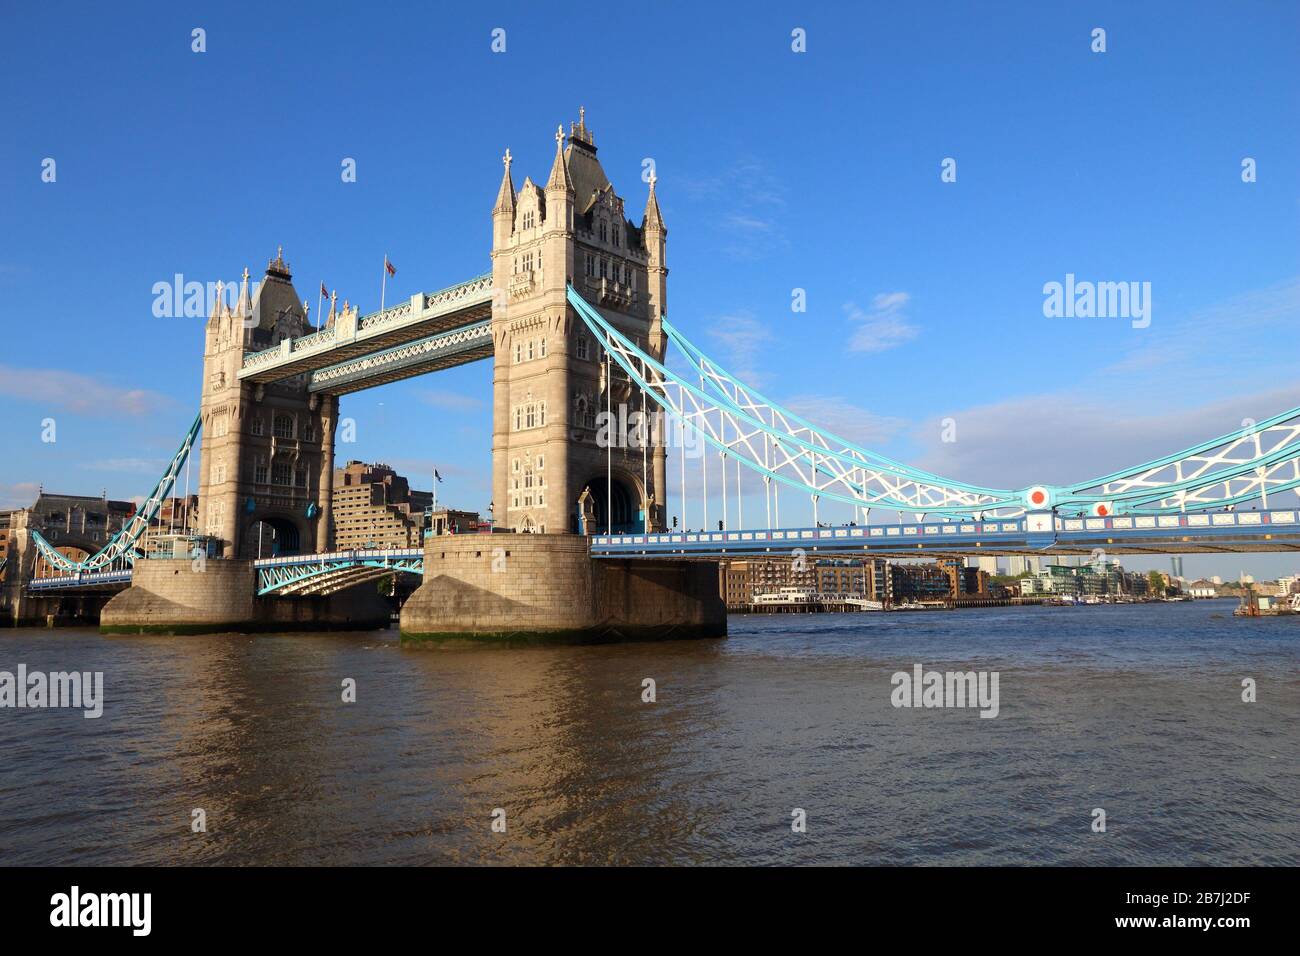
[389, 266]
[324, 292]
[436, 475]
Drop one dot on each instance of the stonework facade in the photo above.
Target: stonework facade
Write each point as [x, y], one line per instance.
[551, 380]
[546, 587]
[266, 465]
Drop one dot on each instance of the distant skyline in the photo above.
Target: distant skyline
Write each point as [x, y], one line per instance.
[777, 171]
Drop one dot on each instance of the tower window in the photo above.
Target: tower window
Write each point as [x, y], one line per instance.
[258, 427]
[583, 350]
[283, 427]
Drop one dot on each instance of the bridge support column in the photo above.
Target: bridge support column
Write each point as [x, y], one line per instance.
[540, 588]
[186, 597]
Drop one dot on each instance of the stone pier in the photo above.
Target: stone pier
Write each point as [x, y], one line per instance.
[172, 596]
[539, 588]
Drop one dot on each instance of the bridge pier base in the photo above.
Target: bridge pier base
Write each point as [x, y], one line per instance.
[179, 596]
[546, 588]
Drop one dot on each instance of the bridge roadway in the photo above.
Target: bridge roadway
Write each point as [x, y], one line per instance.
[1241, 532]
[429, 331]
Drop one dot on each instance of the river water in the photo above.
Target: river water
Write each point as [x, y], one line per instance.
[1134, 710]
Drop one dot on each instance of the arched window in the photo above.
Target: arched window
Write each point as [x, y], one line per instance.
[283, 427]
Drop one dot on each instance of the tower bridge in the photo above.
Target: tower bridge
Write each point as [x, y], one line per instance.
[573, 314]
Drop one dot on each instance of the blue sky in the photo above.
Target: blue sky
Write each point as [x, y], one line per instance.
[777, 170]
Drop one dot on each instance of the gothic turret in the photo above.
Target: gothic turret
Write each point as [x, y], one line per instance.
[503, 213]
[653, 220]
[559, 188]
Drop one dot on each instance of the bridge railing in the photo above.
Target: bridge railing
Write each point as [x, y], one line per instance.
[324, 557]
[82, 579]
[324, 339]
[936, 532]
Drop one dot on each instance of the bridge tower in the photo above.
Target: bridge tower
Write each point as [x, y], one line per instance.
[550, 384]
[266, 467]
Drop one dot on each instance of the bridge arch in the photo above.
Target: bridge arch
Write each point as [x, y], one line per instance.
[271, 535]
[614, 502]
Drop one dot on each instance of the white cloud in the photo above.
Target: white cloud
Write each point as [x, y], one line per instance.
[740, 201]
[20, 494]
[848, 421]
[882, 327]
[76, 393]
[1064, 438]
[742, 338]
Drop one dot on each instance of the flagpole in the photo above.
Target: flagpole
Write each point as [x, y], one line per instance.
[320, 304]
[383, 283]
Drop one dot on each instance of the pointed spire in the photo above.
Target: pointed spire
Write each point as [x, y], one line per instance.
[278, 265]
[244, 307]
[219, 303]
[578, 131]
[560, 168]
[506, 194]
[653, 219]
[334, 298]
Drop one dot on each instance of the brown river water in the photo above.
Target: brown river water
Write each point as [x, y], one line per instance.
[1134, 710]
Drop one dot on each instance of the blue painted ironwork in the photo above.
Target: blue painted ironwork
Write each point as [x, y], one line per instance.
[121, 548]
[1241, 531]
[457, 347]
[349, 337]
[334, 570]
[80, 579]
[1242, 466]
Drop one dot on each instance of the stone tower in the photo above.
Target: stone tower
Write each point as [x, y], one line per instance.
[266, 468]
[550, 387]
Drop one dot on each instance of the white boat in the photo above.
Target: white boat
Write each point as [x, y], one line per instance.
[786, 596]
